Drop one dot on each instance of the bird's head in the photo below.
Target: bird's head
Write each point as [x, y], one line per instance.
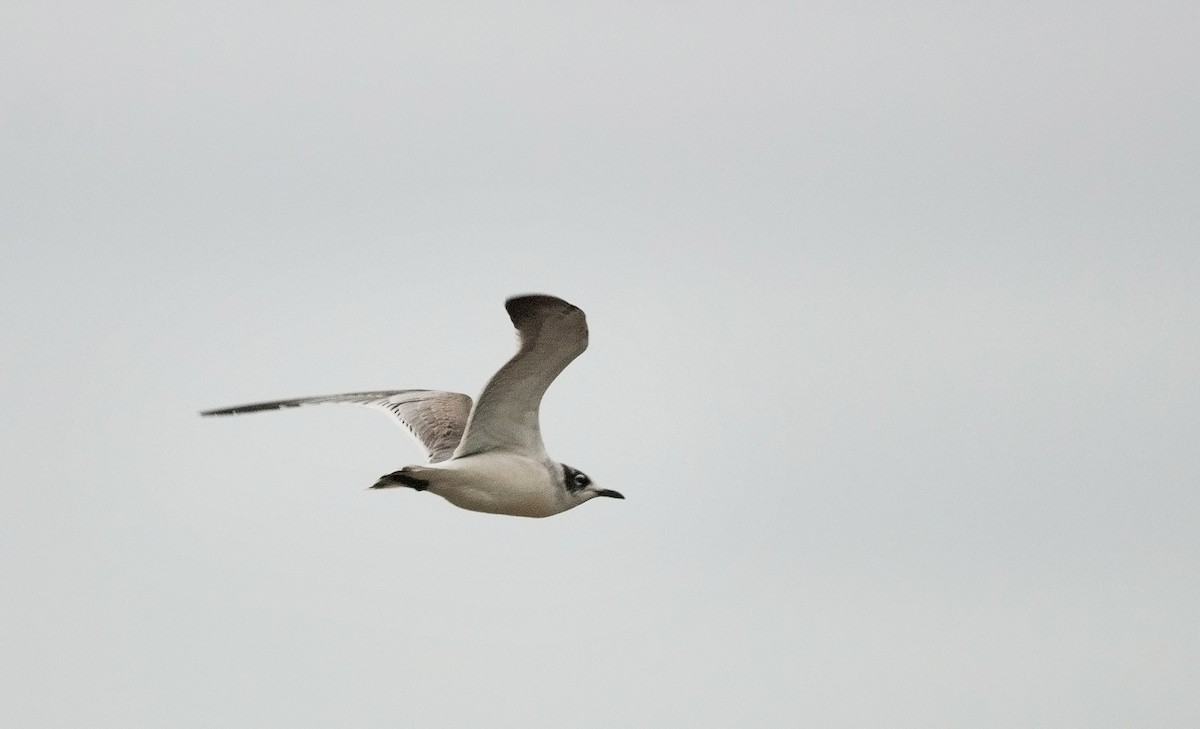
[580, 487]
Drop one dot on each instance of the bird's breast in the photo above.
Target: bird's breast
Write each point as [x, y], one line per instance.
[499, 483]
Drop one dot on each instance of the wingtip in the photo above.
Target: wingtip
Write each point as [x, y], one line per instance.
[525, 307]
[218, 411]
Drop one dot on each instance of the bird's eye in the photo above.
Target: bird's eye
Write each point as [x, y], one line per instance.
[580, 479]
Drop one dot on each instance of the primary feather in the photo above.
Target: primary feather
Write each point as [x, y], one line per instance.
[436, 419]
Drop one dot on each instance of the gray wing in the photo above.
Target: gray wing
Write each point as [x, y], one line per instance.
[437, 419]
[551, 333]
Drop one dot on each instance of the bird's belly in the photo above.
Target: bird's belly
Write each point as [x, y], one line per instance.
[498, 485]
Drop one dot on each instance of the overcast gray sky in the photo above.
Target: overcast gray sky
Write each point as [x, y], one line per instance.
[895, 314]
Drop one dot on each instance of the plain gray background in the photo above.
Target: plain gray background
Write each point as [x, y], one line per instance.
[895, 340]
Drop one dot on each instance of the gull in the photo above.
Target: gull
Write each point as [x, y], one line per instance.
[488, 457]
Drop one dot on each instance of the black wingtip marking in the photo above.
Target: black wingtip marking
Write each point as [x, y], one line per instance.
[254, 408]
[524, 308]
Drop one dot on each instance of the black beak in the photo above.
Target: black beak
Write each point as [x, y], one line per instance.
[609, 493]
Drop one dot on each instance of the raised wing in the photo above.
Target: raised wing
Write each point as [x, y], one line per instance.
[551, 334]
[436, 419]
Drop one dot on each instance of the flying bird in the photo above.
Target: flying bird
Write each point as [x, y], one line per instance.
[488, 456]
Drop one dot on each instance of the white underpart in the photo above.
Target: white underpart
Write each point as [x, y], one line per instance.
[498, 483]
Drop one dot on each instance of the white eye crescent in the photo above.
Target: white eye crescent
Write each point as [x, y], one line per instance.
[580, 479]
